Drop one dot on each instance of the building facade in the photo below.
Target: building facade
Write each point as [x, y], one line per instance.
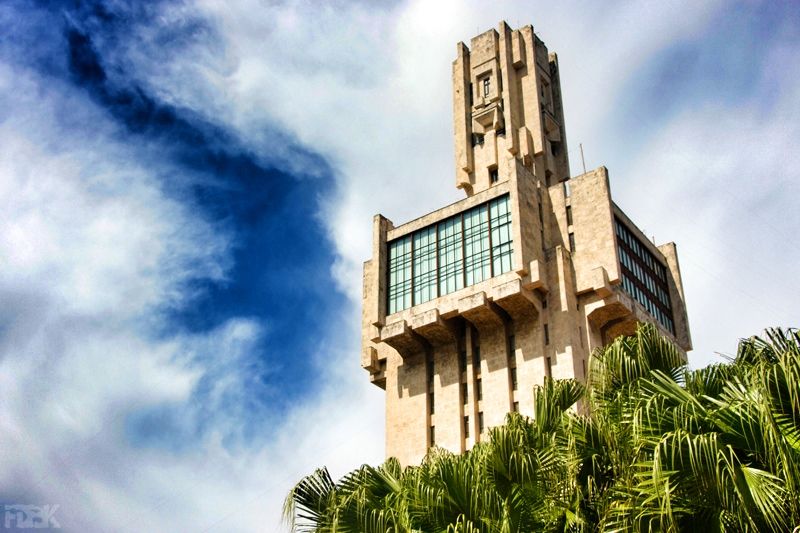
[466, 308]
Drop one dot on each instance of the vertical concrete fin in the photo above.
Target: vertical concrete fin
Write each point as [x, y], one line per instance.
[462, 123]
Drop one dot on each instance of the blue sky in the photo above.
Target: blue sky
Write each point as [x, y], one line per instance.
[187, 191]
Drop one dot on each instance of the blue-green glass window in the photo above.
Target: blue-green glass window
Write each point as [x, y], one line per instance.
[400, 274]
[425, 265]
[500, 221]
[451, 258]
[462, 250]
[477, 257]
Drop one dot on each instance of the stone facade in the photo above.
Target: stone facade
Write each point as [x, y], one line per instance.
[455, 365]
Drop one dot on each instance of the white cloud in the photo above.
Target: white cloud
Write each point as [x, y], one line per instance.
[90, 244]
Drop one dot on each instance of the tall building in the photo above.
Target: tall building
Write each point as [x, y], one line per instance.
[466, 308]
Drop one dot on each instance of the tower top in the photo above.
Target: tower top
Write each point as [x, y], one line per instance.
[507, 107]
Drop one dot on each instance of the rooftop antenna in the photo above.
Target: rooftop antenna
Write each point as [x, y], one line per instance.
[583, 161]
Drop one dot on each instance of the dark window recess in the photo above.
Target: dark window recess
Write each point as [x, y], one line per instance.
[462, 357]
[572, 242]
[466, 427]
[501, 131]
[644, 276]
[477, 139]
[494, 177]
[478, 390]
[512, 345]
[548, 367]
[569, 215]
[432, 404]
[464, 393]
[471, 95]
[544, 303]
[430, 372]
[433, 436]
[516, 407]
[476, 358]
[480, 422]
[546, 335]
[487, 84]
[514, 379]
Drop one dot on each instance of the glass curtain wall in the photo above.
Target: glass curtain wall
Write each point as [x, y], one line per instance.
[459, 251]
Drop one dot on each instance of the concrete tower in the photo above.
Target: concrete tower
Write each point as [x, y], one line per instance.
[466, 308]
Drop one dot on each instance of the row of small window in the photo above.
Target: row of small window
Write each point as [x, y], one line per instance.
[457, 252]
[625, 235]
[643, 276]
[643, 298]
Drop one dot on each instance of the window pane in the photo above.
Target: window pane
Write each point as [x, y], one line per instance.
[399, 274]
[451, 263]
[425, 265]
[501, 235]
[476, 245]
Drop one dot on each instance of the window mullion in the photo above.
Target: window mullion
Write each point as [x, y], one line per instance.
[489, 229]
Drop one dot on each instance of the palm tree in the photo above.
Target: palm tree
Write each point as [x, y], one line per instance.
[655, 447]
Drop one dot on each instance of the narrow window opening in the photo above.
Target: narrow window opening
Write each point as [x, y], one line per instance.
[546, 335]
[465, 393]
[548, 367]
[572, 242]
[480, 422]
[486, 86]
[514, 383]
[516, 407]
[569, 215]
[432, 404]
[478, 389]
[433, 436]
[466, 427]
[493, 175]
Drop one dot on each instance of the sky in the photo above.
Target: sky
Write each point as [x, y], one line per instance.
[186, 196]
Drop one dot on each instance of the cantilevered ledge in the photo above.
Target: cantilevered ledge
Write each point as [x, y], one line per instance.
[402, 338]
[433, 328]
